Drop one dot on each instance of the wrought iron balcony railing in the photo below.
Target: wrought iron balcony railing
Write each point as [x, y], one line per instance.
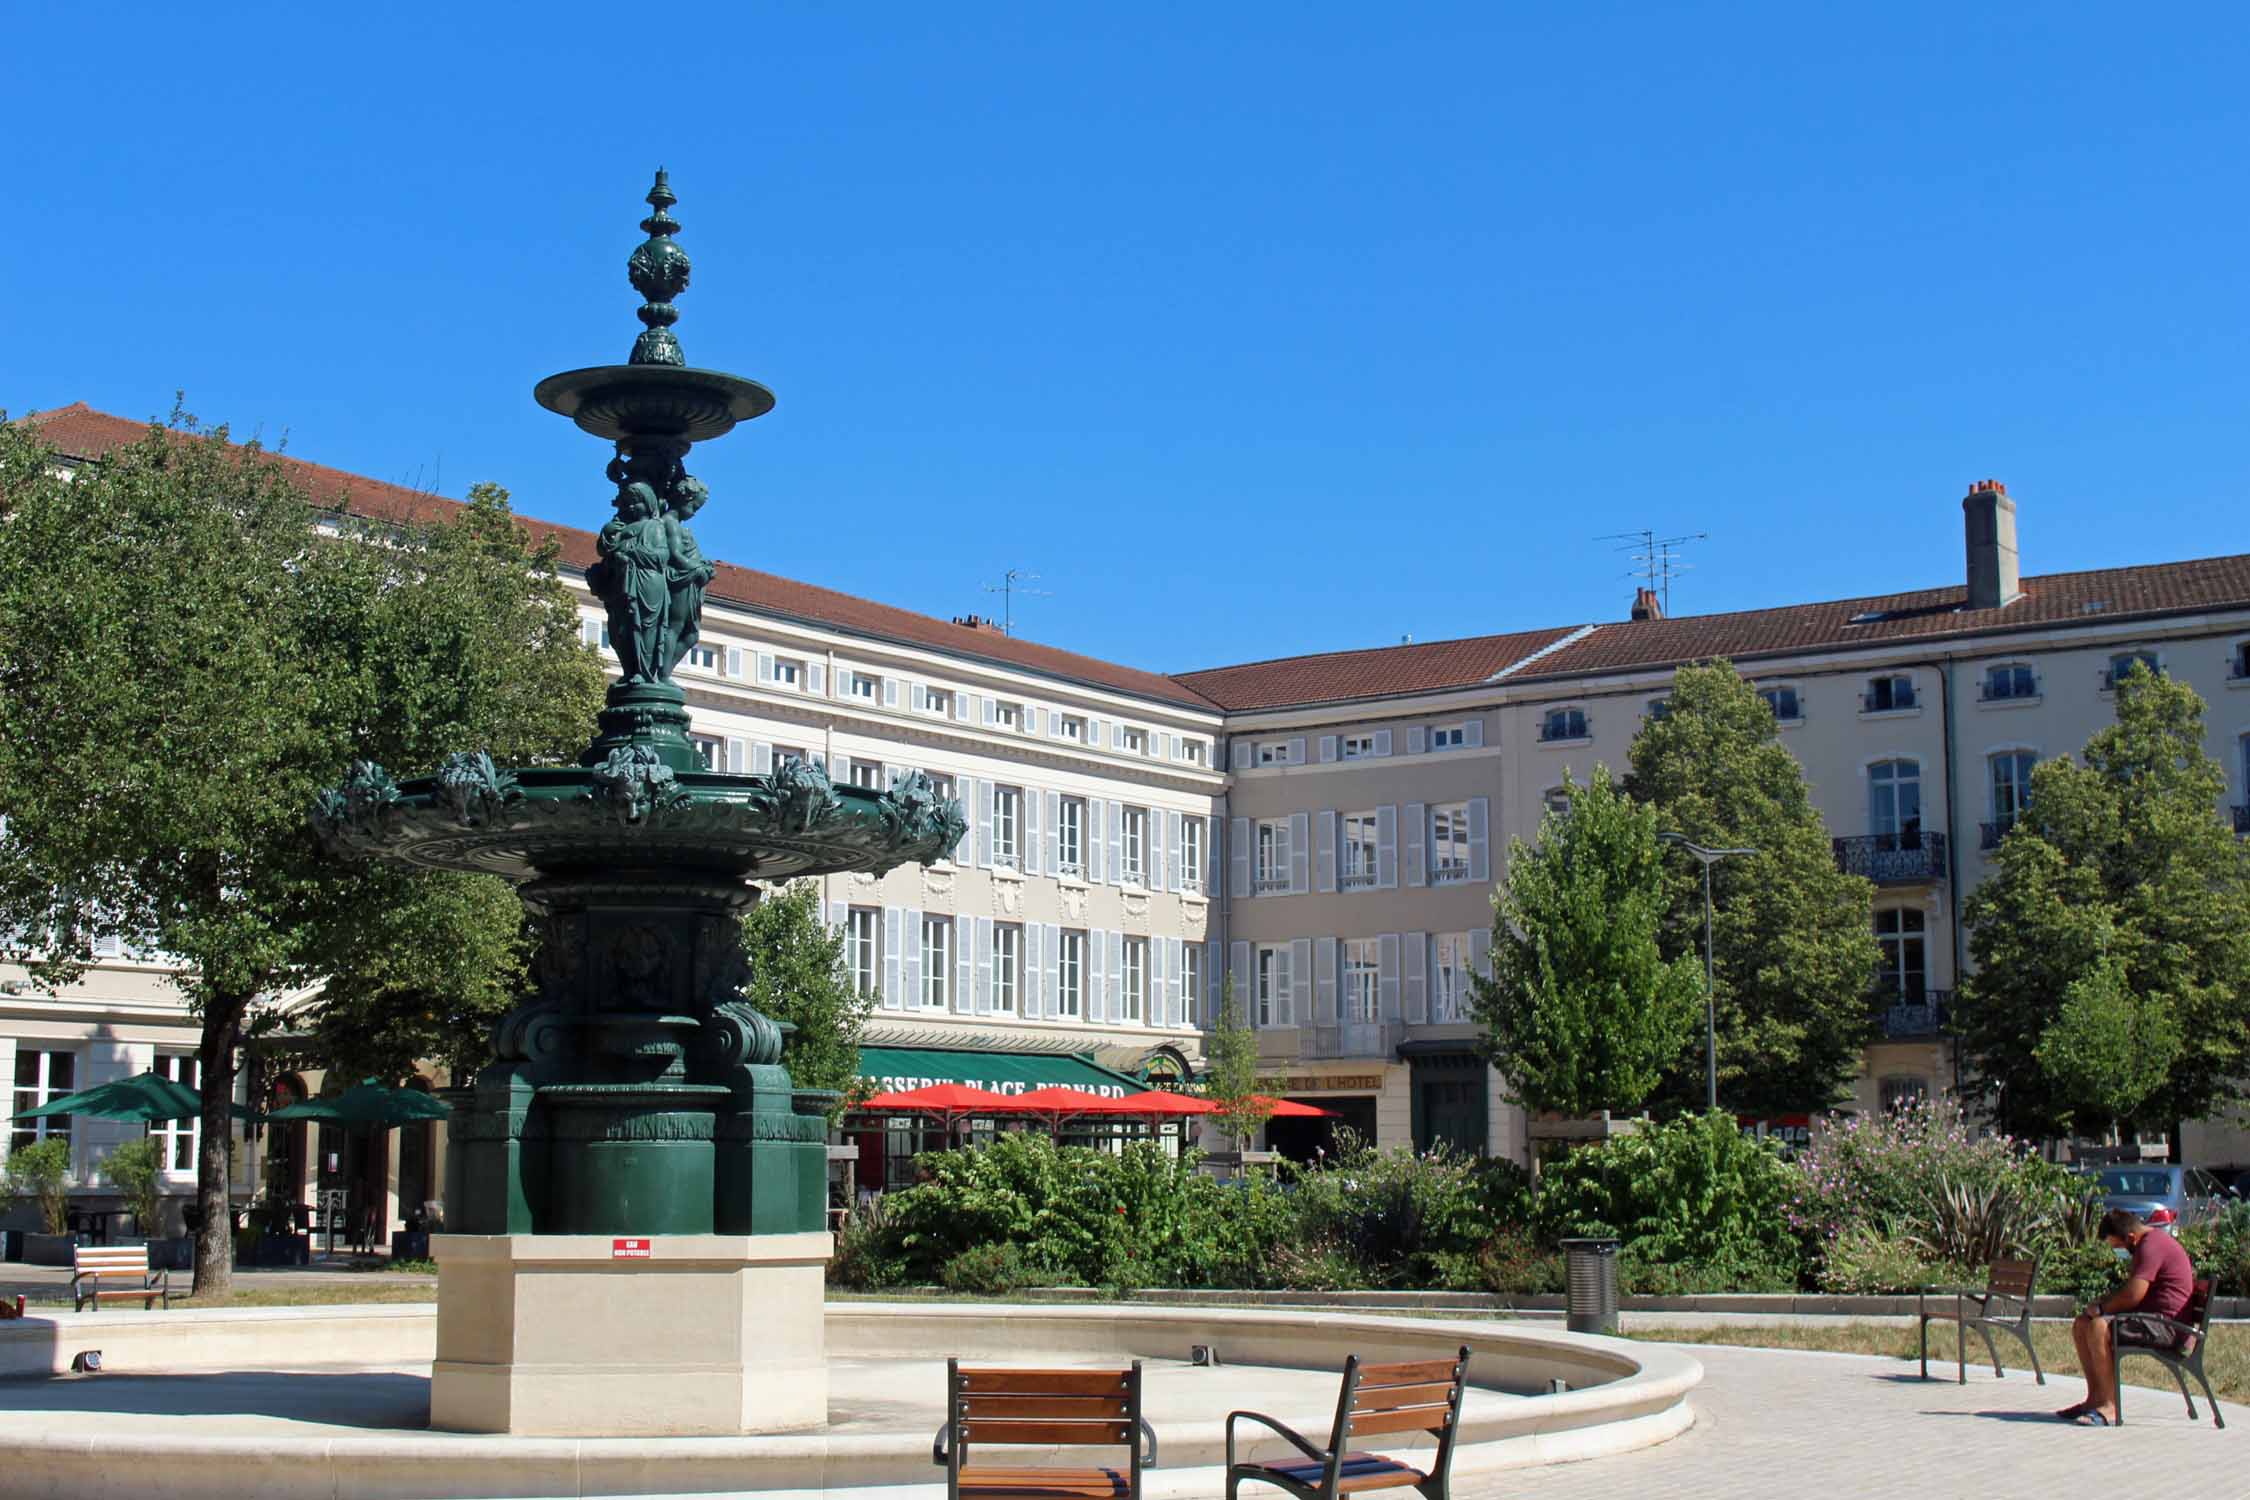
[1893, 858]
[1901, 1019]
[1352, 1039]
[1990, 834]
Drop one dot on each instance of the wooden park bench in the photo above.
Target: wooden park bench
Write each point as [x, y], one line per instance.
[1422, 1395]
[1051, 1408]
[125, 1267]
[2004, 1304]
[2175, 1343]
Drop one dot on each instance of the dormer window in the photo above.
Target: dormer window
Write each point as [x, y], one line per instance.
[2010, 681]
[2124, 662]
[1887, 695]
[1783, 702]
[1563, 724]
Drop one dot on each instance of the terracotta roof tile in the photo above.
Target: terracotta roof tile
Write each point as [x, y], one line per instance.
[1380, 671]
[78, 431]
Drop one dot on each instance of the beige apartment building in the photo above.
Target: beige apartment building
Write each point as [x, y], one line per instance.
[1327, 830]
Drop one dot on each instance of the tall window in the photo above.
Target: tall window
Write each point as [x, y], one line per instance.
[1563, 724]
[41, 1076]
[868, 774]
[1136, 979]
[1888, 695]
[1273, 985]
[1070, 975]
[1007, 966]
[2011, 786]
[1895, 803]
[2238, 665]
[863, 948]
[1783, 702]
[941, 782]
[1903, 974]
[1359, 1002]
[1356, 859]
[1449, 971]
[176, 1139]
[1070, 837]
[2013, 679]
[1007, 818]
[937, 962]
[2125, 661]
[1191, 982]
[1273, 855]
[1135, 823]
[1191, 854]
[710, 751]
[1449, 843]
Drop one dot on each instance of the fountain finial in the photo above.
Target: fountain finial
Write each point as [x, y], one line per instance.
[659, 271]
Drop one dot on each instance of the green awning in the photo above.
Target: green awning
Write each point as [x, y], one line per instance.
[897, 1069]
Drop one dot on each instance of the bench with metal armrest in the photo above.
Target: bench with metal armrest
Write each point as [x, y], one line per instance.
[1073, 1408]
[2175, 1343]
[1411, 1396]
[125, 1267]
[2004, 1304]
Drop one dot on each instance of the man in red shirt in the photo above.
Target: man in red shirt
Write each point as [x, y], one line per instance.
[2158, 1281]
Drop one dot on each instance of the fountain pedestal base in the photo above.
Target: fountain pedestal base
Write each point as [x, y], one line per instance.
[584, 1336]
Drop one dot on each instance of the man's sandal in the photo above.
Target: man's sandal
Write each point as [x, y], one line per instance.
[2091, 1419]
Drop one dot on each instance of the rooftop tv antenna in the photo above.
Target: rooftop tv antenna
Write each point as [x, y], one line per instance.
[1011, 584]
[1656, 559]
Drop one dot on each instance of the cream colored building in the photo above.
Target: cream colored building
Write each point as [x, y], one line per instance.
[1328, 829]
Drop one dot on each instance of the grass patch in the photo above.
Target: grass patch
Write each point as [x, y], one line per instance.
[313, 1296]
[2228, 1362]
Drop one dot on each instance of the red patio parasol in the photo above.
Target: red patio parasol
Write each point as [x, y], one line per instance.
[1290, 1109]
[1164, 1102]
[1057, 1100]
[949, 1100]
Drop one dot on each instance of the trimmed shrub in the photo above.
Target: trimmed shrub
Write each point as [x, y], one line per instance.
[1395, 1215]
[1863, 1260]
[135, 1169]
[988, 1271]
[39, 1174]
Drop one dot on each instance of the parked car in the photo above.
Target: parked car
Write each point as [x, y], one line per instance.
[2167, 1197]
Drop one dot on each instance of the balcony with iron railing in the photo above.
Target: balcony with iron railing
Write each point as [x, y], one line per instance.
[1356, 878]
[1892, 701]
[1271, 885]
[1356, 1040]
[1907, 858]
[1990, 834]
[1449, 872]
[1916, 1013]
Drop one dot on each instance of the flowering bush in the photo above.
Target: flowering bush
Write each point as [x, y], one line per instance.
[1395, 1214]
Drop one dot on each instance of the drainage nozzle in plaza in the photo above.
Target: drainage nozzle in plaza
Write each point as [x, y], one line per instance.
[1590, 1266]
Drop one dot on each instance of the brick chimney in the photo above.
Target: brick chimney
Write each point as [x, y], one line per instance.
[1989, 518]
[979, 622]
[1645, 605]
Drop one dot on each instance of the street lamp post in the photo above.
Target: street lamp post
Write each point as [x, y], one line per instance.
[1707, 858]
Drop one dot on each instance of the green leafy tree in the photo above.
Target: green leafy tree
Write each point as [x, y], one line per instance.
[1230, 1077]
[39, 1174]
[135, 1169]
[1793, 945]
[1583, 1012]
[190, 650]
[2112, 941]
[798, 975]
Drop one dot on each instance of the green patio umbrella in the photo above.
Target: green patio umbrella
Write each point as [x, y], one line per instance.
[368, 1103]
[144, 1096]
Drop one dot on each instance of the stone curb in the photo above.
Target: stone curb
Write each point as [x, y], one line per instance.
[1802, 1304]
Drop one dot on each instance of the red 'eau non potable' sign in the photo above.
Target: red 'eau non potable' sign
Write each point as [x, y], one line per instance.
[629, 1250]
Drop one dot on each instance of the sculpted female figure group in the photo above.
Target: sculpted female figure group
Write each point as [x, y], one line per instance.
[651, 574]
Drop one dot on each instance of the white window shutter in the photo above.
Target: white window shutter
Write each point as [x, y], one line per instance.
[1417, 832]
[894, 996]
[1382, 742]
[1172, 850]
[1245, 997]
[1480, 857]
[1238, 840]
[816, 679]
[1327, 748]
[1324, 851]
[1097, 974]
[961, 705]
[1386, 976]
[1031, 972]
[761, 759]
[1473, 733]
[984, 823]
[890, 692]
[910, 959]
[1155, 1007]
[1152, 858]
[1480, 952]
[1417, 739]
[1241, 755]
[1210, 870]
[839, 915]
[918, 697]
[1161, 746]
[1297, 751]
[765, 666]
[1300, 982]
[965, 793]
[738, 755]
[984, 966]
[1054, 969]
[1386, 847]
[1093, 734]
[1416, 953]
[1054, 832]
[1029, 844]
[1324, 985]
[1090, 837]
[1300, 853]
[734, 661]
[964, 966]
[1116, 855]
[986, 711]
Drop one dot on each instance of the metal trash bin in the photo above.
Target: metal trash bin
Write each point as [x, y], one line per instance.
[1590, 1266]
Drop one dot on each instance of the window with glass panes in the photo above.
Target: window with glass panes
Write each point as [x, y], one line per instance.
[1191, 984]
[176, 1139]
[1358, 1001]
[1783, 702]
[1449, 842]
[1894, 790]
[868, 774]
[1904, 973]
[1191, 854]
[863, 948]
[1888, 694]
[786, 672]
[706, 657]
[41, 1076]
[1136, 979]
[937, 962]
[1355, 860]
[1133, 740]
[1563, 724]
[710, 751]
[1070, 837]
[940, 701]
[1556, 799]
[1449, 737]
[1070, 975]
[2010, 680]
[1134, 821]
[1273, 854]
[1355, 746]
[1007, 715]
[2011, 786]
[2124, 662]
[1449, 969]
[1007, 821]
[1273, 985]
[864, 686]
[1007, 966]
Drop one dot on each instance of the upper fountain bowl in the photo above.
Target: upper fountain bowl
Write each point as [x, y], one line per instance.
[620, 401]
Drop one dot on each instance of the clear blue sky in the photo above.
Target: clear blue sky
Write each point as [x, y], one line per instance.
[1252, 329]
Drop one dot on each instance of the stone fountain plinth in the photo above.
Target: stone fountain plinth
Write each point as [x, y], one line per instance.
[636, 1192]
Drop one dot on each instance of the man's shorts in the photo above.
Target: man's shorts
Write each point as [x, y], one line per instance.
[2134, 1331]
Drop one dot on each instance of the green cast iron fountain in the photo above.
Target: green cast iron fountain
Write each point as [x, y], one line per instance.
[637, 1092]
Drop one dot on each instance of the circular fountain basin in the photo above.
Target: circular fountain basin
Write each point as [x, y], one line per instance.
[335, 1401]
